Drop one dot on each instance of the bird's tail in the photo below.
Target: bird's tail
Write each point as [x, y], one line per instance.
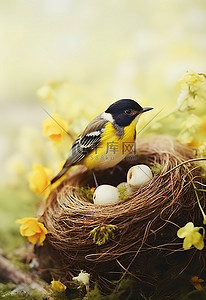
[60, 174]
[69, 162]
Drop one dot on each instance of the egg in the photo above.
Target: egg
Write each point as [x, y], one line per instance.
[106, 194]
[138, 175]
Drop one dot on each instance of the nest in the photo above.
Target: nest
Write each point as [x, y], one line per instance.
[145, 245]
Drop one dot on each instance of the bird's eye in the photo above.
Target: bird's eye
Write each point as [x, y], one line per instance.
[128, 112]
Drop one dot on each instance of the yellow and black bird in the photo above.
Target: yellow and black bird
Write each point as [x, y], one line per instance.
[101, 145]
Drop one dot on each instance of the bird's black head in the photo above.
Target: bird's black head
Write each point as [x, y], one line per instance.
[124, 111]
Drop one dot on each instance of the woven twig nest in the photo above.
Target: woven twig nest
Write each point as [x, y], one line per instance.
[145, 244]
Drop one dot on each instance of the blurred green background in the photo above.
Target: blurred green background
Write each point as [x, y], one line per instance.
[105, 51]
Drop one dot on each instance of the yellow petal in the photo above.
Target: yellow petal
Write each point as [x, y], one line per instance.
[22, 231]
[24, 220]
[42, 237]
[194, 279]
[27, 231]
[182, 233]
[55, 137]
[34, 238]
[34, 224]
[54, 128]
[189, 226]
[198, 286]
[38, 178]
[200, 245]
[196, 237]
[187, 244]
[30, 227]
[58, 286]
[43, 228]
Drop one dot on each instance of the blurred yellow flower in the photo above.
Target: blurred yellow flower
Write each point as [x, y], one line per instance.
[45, 92]
[58, 286]
[190, 130]
[35, 231]
[201, 151]
[185, 102]
[55, 128]
[193, 80]
[191, 236]
[197, 282]
[193, 88]
[189, 139]
[39, 178]
[192, 123]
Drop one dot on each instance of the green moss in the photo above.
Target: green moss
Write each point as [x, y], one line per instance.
[59, 296]
[7, 293]
[126, 290]
[102, 234]
[156, 169]
[123, 192]
[85, 191]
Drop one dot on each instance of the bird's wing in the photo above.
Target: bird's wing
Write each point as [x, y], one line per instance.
[88, 141]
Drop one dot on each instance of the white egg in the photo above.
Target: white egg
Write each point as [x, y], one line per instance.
[138, 175]
[106, 194]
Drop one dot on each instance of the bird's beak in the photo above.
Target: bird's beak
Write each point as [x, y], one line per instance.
[144, 109]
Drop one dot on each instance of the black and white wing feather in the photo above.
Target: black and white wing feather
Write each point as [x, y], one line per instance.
[84, 145]
[88, 141]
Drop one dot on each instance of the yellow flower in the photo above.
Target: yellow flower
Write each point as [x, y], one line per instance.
[197, 282]
[35, 231]
[39, 178]
[190, 129]
[192, 124]
[55, 128]
[58, 286]
[191, 236]
[45, 92]
[193, 88]
[189, 139]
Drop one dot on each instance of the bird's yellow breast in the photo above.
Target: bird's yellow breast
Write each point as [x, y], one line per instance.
[112, 149]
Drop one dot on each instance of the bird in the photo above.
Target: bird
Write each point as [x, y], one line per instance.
[102, 144]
